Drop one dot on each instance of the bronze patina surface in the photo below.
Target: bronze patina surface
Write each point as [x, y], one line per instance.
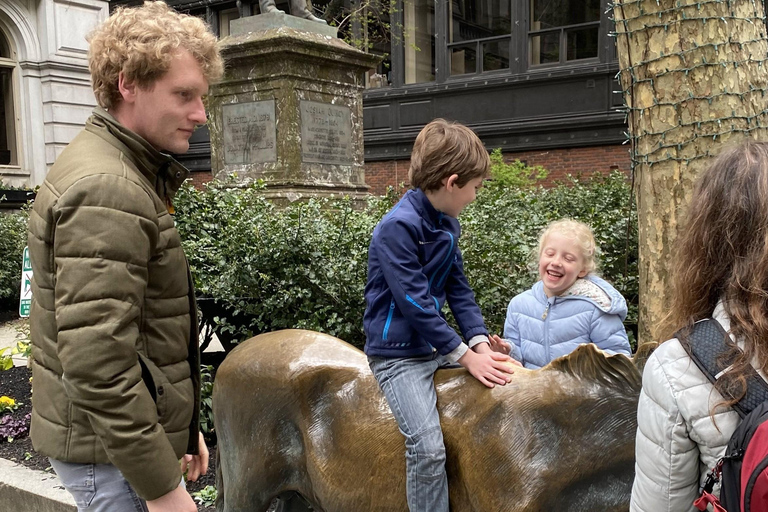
[300, 411]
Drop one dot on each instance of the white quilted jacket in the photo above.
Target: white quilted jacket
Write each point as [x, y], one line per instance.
[677, 441]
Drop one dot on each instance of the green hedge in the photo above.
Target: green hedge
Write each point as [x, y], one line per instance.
[13, 238]
[305, 265]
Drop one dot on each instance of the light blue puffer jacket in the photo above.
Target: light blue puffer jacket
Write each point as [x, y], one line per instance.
[542, 328]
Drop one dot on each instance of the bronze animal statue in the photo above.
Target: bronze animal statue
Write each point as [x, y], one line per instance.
[300, 411]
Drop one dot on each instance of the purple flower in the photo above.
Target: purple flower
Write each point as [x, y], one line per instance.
[11, 427]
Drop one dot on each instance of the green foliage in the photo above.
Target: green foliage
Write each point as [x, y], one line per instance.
[513, 174]
[6, 361]
[23, 342]
[206, 402]
[13, 238]
[206, 496]
[305, 265]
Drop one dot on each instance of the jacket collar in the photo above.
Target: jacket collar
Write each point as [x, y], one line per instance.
[618, 303]
[162, 170]
[421, 203]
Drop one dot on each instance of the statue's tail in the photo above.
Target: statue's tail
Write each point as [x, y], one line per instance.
[219, 483]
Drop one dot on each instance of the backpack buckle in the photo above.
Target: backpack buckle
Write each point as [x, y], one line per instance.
[712, 477]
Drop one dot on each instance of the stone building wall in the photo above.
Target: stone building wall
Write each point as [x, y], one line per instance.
[50, 90]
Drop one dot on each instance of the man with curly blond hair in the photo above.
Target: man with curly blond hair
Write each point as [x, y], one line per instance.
[115, 358]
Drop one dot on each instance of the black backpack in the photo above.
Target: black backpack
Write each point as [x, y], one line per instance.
[743, 470]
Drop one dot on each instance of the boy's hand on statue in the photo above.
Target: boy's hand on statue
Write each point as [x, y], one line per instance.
[490, 369]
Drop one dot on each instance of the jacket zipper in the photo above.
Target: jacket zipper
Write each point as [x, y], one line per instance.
[546, 330]
[389, 319]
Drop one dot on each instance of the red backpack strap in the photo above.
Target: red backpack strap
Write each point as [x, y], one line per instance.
[705, 499]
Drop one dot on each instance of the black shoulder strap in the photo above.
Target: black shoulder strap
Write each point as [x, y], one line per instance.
[705, 343]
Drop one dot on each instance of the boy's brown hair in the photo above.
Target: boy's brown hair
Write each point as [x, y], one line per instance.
[443, 148]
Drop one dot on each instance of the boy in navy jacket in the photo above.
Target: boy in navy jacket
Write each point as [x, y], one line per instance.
[414, 268]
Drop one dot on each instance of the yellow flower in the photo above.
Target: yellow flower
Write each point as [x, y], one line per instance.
[7, 403]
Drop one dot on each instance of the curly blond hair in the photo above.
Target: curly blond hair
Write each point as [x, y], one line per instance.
[576, 231]
[141, 42]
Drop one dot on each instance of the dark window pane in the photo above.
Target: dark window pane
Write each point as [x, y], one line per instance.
[545, 48]
[5, 48]
[463, 60]
[496, 55]
[558, 13]
[478, 19]
[6, 117]
[582, 43]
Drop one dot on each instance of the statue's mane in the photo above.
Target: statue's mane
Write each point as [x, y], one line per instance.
[589, 363]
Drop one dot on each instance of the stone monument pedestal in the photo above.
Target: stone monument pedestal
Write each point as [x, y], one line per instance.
[289, 109]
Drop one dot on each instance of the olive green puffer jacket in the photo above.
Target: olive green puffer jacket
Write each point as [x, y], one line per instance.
[113, 321]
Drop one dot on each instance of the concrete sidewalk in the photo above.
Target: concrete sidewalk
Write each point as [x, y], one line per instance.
[9, 336]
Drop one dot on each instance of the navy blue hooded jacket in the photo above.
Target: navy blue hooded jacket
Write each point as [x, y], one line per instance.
[414, 267]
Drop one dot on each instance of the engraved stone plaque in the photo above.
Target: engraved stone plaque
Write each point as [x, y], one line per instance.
[249, 132]
[326, 133]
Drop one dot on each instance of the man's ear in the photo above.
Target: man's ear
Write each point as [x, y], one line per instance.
[451, 182]
[126, 88]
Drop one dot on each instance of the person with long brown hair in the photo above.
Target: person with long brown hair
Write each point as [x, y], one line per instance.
[721, 271]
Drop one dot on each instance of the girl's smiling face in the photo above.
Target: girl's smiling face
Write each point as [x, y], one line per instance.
[560, 263]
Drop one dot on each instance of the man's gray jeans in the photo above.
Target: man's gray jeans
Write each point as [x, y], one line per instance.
[98, 487]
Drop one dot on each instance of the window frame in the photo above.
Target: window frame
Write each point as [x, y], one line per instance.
[520, 54]
[12, 124]
[563, 44]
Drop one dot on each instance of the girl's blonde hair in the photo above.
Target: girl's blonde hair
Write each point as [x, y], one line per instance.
[141, 42]
[577, 231]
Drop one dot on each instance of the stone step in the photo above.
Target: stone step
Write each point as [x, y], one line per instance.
[29, 490]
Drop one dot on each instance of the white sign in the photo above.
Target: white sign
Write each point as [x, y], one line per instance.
[26, 285]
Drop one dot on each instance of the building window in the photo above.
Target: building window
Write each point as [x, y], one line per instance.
[419, 40]
[479, 35]
[8, 152]
[563, 31]
[225, 18]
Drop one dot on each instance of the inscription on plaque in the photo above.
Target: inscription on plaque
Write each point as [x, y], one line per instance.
[326, 133]
[249, 132]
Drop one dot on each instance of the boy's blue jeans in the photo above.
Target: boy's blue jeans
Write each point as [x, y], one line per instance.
[408, 384]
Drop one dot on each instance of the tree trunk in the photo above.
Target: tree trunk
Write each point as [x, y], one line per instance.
[694, 75]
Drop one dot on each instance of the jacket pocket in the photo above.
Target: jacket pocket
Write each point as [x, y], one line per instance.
[174, 400]
[156, 383]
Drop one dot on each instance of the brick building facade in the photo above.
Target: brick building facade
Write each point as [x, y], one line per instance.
[559, 162]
